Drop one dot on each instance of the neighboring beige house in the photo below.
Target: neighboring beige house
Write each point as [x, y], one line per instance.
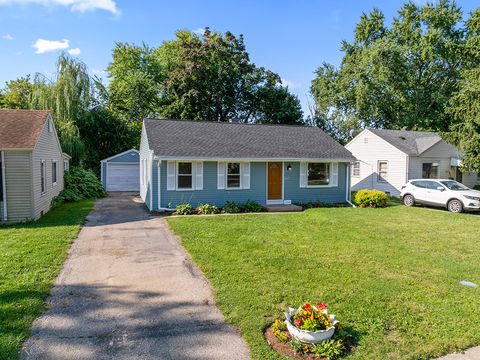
[32, 164]
[387, 159]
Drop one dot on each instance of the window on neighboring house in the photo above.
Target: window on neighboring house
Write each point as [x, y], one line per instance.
[65, 165]
[184, 175]
[233, 175]
[318, 174]
[54, 172]
[430, 170]
[43, 176]
[356, 169]
[382, 171]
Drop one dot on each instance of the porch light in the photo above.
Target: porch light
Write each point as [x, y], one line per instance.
[289, 167]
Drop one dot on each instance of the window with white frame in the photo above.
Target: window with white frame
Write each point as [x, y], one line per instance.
[356, 169]
[430, 170]
[65, 165]
[233, 175]
[382, 171]
[185, 175]
[54, 172]
[43, 176]
[318, 174]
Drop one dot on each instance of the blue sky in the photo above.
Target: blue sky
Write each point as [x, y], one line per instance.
[290, 37]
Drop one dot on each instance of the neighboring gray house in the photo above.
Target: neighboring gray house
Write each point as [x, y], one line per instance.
[213, 162]
[32, 164]
[121, 172]
[387, 159]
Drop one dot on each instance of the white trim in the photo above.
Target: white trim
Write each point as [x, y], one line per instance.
[243, 159]
[275, 201]
[4, 187]
[192, 174]
[240, 187]
[150, 167]
[159, 184]
[330, 173]
[56, 172]
[385, 179]
[44, 175]
[120, 154]
[221, 169]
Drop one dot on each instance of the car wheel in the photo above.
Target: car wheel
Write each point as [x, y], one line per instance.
[455, 206]
[408, 200]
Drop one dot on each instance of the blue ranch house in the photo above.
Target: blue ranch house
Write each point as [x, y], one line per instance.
[199, 162]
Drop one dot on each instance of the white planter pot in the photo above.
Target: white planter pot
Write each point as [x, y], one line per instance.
[305, 336]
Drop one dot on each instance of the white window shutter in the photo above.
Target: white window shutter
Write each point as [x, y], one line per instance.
[221, 175]
[303, 174]
[171, 175]
[334, 174]
[245, 171]
[199, 175]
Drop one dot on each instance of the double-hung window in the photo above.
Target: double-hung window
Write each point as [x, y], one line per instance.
[184, 175]
[430, 170]
[43, 176]
[233, 175]
[382, 171]
[54, 172]
[318, 174]
[356, 169]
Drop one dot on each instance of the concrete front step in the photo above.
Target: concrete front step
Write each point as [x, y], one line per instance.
[284, 208]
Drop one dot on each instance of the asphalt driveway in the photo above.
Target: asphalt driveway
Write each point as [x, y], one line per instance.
[128, 291]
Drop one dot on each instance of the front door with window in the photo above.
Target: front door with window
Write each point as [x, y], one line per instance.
[274, 178]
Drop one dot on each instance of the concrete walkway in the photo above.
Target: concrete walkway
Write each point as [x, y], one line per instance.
[470, 354]
[128, 291]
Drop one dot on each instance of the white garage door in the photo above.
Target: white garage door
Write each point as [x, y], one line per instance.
[123, 177]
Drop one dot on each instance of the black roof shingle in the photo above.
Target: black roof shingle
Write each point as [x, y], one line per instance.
[206, 139]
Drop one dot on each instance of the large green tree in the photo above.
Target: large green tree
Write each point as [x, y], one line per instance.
[17, 93]
[399, 76]
[465, 104]
[201, 77]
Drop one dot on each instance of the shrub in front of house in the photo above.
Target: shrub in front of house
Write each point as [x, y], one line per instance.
[79, 183]
[250, 206]
[205, 209]
[370, 198]
[184, 209]
[231, 207]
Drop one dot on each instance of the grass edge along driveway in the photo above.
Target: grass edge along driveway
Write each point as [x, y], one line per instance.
[391, 274]
[31, 256]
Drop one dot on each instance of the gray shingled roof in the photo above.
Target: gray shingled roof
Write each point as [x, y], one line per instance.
[410, 142]
[205, 139]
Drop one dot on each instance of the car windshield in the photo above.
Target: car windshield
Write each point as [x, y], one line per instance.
[453, 185]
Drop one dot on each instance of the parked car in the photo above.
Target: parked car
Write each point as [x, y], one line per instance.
[450, 194]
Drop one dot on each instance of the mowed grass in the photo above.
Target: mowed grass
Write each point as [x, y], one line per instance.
[31, 256]
[390, 275]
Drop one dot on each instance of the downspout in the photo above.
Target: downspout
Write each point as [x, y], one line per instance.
[347, 186]
[4, 187]
[150, 183]
[159, 187]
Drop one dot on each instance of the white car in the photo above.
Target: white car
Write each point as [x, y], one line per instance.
[446, 193]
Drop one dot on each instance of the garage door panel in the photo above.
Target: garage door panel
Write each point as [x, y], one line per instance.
[123, 177]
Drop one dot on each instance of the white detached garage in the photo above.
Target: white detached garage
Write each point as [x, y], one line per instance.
[121, 172]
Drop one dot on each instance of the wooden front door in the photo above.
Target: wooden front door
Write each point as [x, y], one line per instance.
[275, 181]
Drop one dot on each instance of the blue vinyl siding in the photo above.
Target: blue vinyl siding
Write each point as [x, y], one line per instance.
[294, 192]
[130, 157]
[257, 192]
[210, 194]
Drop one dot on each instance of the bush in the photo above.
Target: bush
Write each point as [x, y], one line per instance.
[370, 198]
[476, 187]
[79, 184]
[184, 209]
[207, 209]
[231, 207]
[250, 206]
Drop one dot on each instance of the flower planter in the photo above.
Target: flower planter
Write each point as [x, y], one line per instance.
[305, 336]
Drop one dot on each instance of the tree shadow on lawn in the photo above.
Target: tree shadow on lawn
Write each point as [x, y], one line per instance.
[86, 321]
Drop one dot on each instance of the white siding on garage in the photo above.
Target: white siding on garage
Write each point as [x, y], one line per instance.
[123, 177]
[369, 149]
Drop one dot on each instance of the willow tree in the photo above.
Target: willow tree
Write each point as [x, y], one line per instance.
[69, 95]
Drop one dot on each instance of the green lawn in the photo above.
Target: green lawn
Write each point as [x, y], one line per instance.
[390, 275]
[31, 256]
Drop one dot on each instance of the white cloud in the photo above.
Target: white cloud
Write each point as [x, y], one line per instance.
[43, 46]
[289, 83]
[199, 31]
[74, 5]
[7, 37]
[74, 51]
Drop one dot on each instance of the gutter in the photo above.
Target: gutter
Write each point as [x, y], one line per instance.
[4, 187]
[348, 186]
